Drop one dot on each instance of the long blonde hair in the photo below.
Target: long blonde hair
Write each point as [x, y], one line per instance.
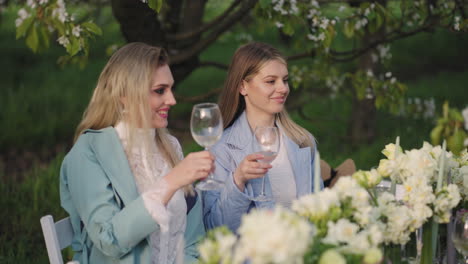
[128, 74]
[246, 63]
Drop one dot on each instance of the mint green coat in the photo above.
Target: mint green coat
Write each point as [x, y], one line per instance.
[110, 222]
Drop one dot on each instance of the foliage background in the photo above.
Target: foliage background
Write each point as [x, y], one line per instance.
[41, 104]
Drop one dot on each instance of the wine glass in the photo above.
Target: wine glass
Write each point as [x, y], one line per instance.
[460, 234]
[266, 142]
[206, 125]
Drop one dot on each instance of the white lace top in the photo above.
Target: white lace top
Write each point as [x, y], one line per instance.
[166, 243]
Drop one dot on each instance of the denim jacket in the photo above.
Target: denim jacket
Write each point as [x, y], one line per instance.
[227, 205]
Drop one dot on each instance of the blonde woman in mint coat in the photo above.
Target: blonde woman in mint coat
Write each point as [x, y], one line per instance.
[125, 183]
[254, 95]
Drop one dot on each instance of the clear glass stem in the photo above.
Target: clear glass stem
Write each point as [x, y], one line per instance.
[263, 186]
[210, 175]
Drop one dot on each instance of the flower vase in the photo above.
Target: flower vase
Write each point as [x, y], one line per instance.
[429, 238]
[393, 254]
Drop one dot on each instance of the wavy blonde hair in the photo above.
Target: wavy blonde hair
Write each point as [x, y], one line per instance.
[246, 63]
[128, 74]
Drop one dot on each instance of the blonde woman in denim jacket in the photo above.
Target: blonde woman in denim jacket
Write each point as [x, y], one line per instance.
[254, 95]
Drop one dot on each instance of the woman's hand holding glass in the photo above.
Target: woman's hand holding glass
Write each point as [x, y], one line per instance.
[196, 166]
[206, 125]
[250, 169]
[266, 141]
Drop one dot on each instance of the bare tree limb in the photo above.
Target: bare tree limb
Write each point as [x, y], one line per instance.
[301, 56]
[353, 54]
[203, 28]
[213, 36]
[213, 64]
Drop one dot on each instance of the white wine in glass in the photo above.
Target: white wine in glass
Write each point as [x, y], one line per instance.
[267, 142]
[206, 125]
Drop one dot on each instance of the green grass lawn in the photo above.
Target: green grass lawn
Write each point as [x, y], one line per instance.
[42, 103]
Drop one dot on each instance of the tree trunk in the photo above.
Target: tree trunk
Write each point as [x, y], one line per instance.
[139, 23]
[179, 29]
[362, 125]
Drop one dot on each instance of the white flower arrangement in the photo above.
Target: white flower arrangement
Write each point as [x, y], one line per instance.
[417, 170]
[345, 219]
[218, 247]
[349, 223]
[278, 236]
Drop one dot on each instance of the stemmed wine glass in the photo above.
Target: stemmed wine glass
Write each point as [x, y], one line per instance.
[460, 234]
[206, 125]
[266, 142]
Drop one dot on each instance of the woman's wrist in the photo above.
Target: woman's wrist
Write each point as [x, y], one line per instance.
[239, 181]
[172, 183]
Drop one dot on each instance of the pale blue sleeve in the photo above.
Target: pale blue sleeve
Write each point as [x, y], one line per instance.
[227, 205]
[114, 229]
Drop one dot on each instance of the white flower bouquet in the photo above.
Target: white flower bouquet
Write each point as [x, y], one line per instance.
[352, 222]
[278, 236]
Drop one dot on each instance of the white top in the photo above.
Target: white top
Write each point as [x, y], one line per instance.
[148, 168]
[281, 176]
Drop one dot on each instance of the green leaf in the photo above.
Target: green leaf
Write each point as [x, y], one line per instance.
[360, 90]
[32, 39]
[329, 34]
[365, 5]
[379, 19]
[348, 29]
[454, 114]
[59, 26]
[372, 25]
[264, 3]
[74, 47]
[288, 29]
[436, 134]
[455, 142]
[379, 101]
[24, 27]
[44, 37]
[85, 45]
[91, 27]
[155, 5]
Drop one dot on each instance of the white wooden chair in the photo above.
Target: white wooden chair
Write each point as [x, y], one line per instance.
[57, 236]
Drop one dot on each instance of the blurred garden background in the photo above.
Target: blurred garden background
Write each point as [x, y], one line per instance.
[43, 94]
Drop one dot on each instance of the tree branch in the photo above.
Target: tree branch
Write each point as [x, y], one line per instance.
[198, 98]
[213, 36]
[203, 28]
[352, 54]
[213, 64]
[301, 55]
